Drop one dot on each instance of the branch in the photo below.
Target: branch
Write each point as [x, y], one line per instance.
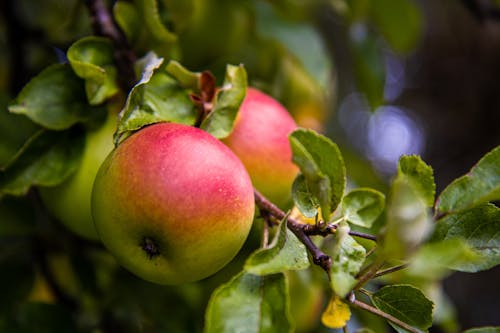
[104, 25]
[382, 314]
[319, 257]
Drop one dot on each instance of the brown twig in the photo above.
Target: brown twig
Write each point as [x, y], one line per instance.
[104, 25]
[383, 314]
[318, 256]
[390, 270]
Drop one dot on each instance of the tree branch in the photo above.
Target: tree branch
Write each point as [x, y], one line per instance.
[382, 314]
[104, 25]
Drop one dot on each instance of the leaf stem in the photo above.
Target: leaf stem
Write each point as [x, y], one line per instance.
[383, 314]
[390, 270]
[369, 273]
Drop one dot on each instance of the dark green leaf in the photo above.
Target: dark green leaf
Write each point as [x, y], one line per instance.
[347, 258]
[363, 206]
[149, 9]
[45, 318]
[420, 176]
[321, 163]
[399, 21]
[481, 184]
[156, 97]
[55, 98]
[128, 18]
[46, 159]
[92, 60]
[221, 120]
[406, 303]
[408, 220]
[14, 131]
[480, 228]
[303, 198]
[484, 330]
[250, 303]
[286, 252]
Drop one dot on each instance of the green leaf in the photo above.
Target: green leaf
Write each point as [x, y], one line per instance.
[46, 159]
[408, 221]
[481, 184]
[433, 261]
[303, 198]
[420, 176]
[155, 98]
[221, 120]
[399, 21]
[128, 19]
[55, 98]
[286, 252]
[45, 318]
[484, 330]
[347, 258]
[186, 78]
[92, 60]
[479, 227]
[363, 206]
[321, 163]
[406, 303]
[250, 303]
[159, 31]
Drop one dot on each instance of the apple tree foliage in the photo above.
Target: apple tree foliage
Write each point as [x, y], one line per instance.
[342, 252]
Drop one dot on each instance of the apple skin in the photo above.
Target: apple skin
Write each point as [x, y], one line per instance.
[172, 204]
[260, 139]
[69, 202]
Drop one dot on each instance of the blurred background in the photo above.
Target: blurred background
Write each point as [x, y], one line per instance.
[380, 77]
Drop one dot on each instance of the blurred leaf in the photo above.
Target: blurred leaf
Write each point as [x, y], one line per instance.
[321, 163]
[128, 19]
[250, 303]
[155, 98]
[303, 198]
[16, 281]
[92, 59]
[18, 217]
[336, 314]
[364, 330]
[419, 175]
[399, 21]
[285, 252]
[153, 21]
[408, 220]
[484, 330]
[406, 303]
[369, 65]
[45, 318]
[55, 98]
[479, 228]
[46, 159]
[363, 206]
[433, 261]
[481, 184]
[221, 120]
[347, 258]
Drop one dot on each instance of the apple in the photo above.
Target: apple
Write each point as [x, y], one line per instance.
[69, 202]
[172, 204]
[260, 139]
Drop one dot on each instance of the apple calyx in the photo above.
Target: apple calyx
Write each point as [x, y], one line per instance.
[150, 246]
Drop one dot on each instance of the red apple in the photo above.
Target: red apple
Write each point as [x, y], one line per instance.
[260, 140]
[172, 203]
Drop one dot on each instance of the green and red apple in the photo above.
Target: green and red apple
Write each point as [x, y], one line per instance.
[172, 203]
[260, 139]
[69, 202]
